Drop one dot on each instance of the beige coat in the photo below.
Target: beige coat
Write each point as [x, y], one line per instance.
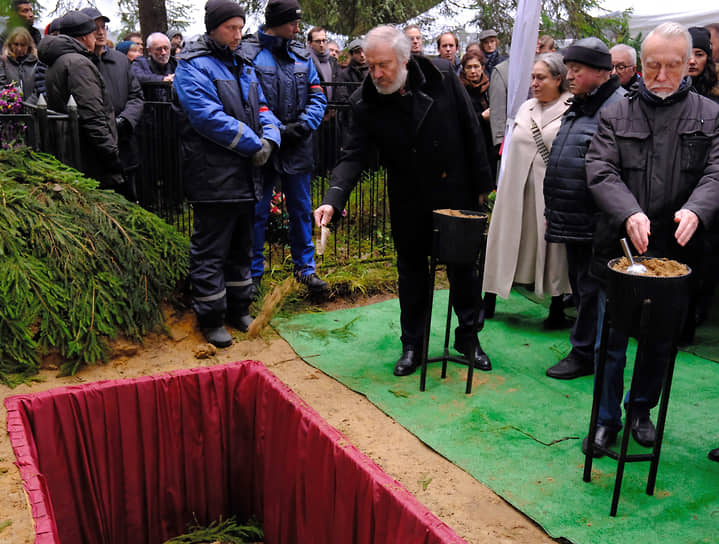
[516, 249]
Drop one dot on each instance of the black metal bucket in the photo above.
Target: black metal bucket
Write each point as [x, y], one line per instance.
[669, 298]
[460, 236]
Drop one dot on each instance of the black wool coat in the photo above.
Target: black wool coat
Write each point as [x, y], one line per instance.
[431, 144]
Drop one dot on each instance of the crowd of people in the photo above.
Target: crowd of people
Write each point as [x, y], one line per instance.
[600, 150]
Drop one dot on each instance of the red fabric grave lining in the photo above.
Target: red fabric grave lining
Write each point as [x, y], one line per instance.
[134, 461]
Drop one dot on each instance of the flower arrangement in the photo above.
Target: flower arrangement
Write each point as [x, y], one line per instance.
[278, 224]
[10, 99]
[11, 133]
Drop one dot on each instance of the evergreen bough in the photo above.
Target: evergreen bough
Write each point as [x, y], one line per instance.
[78, 265]
[228, 531]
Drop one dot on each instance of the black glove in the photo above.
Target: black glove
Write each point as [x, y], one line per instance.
[124, 128]
[294, 133]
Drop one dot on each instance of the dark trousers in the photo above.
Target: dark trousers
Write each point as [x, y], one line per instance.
[413, 272]
[585, 290]
[220, 256]
[657, 354]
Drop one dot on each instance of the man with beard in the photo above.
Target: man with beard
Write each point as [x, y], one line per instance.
[653, 170]
[428, 137]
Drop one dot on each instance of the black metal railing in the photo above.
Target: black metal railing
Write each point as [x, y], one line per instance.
[364, 234]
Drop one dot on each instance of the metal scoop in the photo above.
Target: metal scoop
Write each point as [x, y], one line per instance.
[633, 268]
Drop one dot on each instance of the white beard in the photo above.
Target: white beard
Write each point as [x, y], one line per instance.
[396, 85]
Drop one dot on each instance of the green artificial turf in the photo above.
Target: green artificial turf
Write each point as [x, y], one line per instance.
[519, 432]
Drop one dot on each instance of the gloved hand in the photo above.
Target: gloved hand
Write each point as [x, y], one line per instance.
[294, 132]
[261, 157]
[124, 128]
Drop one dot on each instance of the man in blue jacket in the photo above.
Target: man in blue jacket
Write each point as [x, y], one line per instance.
[293, 91]
[229, 135]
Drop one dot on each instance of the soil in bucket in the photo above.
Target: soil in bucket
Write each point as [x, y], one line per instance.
[656, 267]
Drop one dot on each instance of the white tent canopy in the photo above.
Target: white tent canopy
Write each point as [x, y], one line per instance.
[648, 14]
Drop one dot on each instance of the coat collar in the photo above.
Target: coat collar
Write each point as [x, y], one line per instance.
[544, 117]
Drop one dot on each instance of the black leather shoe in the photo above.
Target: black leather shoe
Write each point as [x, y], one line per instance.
[643, 431]
[240, 322]
[714, 455]
[218, 336]
[473, 352]
[313, 282]
[603, 438]
[408, 363]
[572, 366]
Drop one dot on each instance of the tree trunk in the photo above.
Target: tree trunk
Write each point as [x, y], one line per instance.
[153, 17]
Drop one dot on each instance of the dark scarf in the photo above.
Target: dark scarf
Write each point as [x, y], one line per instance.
[677, 96]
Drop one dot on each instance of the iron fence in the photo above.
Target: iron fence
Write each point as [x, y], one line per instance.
[363, 234]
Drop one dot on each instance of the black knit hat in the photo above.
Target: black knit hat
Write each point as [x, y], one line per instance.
[701, 39]
[219, 11]
[279, 12]
[590, 51]
[76, 23]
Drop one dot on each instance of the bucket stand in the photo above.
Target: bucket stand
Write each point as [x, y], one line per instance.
[479, 268]
[640, 364]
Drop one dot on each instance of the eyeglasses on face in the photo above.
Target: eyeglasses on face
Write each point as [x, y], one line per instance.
[319, 41]
[622, 67]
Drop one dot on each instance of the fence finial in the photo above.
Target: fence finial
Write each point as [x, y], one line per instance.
[41, 102]
[71, 102]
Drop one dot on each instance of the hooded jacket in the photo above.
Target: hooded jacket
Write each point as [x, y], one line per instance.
[292, 87]
[22, 71]
[71, 72]
[226, 114]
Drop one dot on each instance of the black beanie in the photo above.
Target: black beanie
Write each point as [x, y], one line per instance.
[590, 51]
[76, 24]
[219, 11]
[279, 12]
[701, 39]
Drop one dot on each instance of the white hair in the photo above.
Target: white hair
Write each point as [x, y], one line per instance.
[386, 34]
[624, 48]
[670, 31]
[152, 37]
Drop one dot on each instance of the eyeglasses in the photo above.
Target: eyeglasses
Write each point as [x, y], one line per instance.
[319, 41]
[622, 67]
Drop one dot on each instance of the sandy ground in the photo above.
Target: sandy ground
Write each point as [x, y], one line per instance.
[472, 510]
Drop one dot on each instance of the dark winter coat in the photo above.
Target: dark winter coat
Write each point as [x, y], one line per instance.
[569, 208]
[655, 157]
[354, 72]
[226, 114]
[429, 140]
[292, 88]
[148, 71]
[127, 101]
[71, 72]
[23, 71]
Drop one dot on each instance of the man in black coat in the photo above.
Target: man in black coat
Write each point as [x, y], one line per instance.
[23, 15]
[429, 139]
[70, 72]
[127, 99]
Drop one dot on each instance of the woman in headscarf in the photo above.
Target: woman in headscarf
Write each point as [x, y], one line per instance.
[516, 249]
[19, 64]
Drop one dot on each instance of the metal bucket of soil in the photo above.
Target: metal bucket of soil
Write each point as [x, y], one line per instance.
[460, 235]
[666, 285]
